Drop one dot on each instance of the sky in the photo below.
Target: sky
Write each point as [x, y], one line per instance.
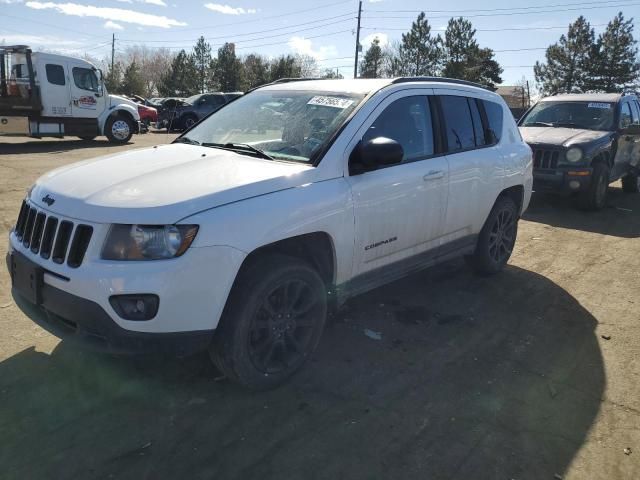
[517, 30]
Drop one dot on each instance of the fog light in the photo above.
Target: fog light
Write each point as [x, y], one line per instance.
[135, 307]
[574, 184]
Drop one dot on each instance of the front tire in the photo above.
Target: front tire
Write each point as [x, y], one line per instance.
[119, 129]
[272, 322]
[497, 238]
[595, 197]
[631, 183]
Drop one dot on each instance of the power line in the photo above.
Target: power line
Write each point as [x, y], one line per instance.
[253, 33]
[516, 29]
[502, 9]
[221, 25]
[511, 13]
[50, 25]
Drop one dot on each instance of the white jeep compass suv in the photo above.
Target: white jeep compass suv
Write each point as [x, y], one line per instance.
[242, 234]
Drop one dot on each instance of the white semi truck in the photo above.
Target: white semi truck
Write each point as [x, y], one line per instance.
[47, 95]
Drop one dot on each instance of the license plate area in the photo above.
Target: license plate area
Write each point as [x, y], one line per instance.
[27, 278]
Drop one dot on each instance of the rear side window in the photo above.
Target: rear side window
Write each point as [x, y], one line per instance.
[408, 122]
[55, 74]
[495, 120]
[625, 116]
[635, 114]
[458, 123]
[478, 128]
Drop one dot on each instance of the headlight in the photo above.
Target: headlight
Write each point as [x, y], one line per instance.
[573, 155]
[148, 242]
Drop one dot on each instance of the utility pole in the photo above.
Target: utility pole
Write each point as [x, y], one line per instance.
[113, 50]
[355, 67]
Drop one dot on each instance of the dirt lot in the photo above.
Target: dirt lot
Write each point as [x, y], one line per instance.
[508, 377]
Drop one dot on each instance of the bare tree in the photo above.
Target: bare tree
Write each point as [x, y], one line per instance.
[153, 63]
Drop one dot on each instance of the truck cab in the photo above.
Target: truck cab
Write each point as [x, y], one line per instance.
[43, 94]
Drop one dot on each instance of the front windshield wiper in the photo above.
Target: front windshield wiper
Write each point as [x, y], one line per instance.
[539, 124]
[241, 147]
[570, 125]
[188, 140]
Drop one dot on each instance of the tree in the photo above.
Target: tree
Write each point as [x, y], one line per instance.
[153, 64]
[132, 82]
[308, 66]
[615, 57]
[181, 80]
[371, 65]
[568, 64]
[285, 66]
[464, 59]
[227, 69]
[113, 78]
[331, 74]
[420, 52]
[256, 71]
[391, 62]
[203, 62]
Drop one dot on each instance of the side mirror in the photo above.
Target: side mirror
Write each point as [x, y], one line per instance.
[633, 129]
[375, 153]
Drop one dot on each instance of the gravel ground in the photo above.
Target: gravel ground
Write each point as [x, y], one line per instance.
[530, 374]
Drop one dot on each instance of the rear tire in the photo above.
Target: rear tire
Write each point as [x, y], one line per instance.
[189, 121]
[631, 183]
[497, 238]
[595, 197]
[272, 322]
[119, 129]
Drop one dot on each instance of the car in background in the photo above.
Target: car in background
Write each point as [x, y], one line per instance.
[190, 111]
[148, 115]
[583, 142]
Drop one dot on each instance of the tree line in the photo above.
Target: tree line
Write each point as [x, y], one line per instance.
[579, 62]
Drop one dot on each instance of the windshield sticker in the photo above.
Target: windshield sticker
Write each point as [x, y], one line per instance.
[335, 102]
[605, 106]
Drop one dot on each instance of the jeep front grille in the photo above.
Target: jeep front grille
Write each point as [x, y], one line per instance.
[51, 237]
[545, 159]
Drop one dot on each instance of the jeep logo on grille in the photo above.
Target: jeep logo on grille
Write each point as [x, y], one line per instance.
[48, 200]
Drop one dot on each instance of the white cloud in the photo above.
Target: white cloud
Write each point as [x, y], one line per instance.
[228, 10]
[11, 1]
[304, 46]
[376, 1]
[109, 25]
[114, 14]
[38, 41]
[382, 37]
[159, 3]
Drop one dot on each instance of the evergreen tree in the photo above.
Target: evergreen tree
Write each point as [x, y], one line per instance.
[331, 74]
[182, 78]
[615, 62]
[132, 81]
[371, 65]
[227, 69]
[569, 62]
[202, 59]
[256, 71]
[113, 78]
[464, 59]
[420, 52]
[285, 66]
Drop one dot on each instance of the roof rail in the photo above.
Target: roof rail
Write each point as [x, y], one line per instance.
[287, 80]
[440, 80]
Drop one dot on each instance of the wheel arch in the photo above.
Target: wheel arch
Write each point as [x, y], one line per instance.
[515, 193]
[316, 248]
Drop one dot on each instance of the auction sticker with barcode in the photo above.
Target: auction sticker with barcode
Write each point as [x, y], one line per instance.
[605, 106]
[335, 102]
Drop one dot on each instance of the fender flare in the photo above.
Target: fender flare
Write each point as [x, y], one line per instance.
[115, 109]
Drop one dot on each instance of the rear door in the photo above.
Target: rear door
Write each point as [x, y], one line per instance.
[55, 90]
[635, 152]
[475, 163]
[87, 99]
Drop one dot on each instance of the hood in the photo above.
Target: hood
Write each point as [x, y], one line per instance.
[561, 137]
[118, 100]
[164, 184]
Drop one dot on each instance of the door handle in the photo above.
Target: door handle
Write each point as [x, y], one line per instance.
[433, 175]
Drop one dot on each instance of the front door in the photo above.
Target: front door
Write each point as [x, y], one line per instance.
[55, 90]
[399, 210]
[87, 98]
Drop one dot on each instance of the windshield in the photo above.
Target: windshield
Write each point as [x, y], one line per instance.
[192, 99]
[286, 125]
[585, 115]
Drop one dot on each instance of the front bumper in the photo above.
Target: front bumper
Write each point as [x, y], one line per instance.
[564, 180]
[80, 320]
[192, 289]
